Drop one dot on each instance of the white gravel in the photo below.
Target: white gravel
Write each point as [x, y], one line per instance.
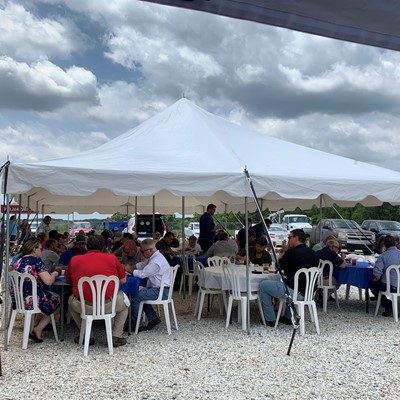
[355, 357]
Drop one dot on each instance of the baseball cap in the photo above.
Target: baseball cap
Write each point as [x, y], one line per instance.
[80, 239]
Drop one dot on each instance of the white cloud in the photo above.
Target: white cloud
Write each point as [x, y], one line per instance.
[25, 37]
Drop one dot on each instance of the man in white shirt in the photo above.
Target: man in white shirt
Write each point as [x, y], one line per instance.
[152, 268]
[192, 247]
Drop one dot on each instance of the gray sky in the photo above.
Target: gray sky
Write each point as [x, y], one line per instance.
[76, 74]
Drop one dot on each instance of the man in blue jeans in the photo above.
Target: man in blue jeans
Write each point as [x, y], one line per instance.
[296, 257]
[152, 268]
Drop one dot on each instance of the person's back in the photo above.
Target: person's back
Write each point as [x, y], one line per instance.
[221, 248]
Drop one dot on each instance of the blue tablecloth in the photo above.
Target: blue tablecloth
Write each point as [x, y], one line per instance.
[178, 260]
[359, 275]
[131, 287]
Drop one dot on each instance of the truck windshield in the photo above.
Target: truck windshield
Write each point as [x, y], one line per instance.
[346, 224]
[296, 220]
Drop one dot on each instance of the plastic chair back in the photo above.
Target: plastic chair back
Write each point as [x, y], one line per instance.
[98, 284]
[393, 271]
[231, 274]
[217, 261]
[17, 281]
[322, 264]
[199, 268]
[311, 276]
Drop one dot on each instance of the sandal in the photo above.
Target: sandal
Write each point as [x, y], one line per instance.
[35, 338]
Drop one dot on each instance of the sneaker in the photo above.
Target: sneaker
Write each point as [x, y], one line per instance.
[91, 340]
[387, 313]
[118, 341]
[153, 323]
[267, 323]
[286, 321]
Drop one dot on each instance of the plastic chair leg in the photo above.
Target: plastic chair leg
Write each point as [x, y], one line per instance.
[87, 336]
[347, 292]
[174, 314]
[201, 305]
[243, 308]
[166, 316]
[190, 283]
[378, 303]
[228, 312]
[395, 308]
[325, 298]
[138, 318]
[27, 330]
[261, 311]
[316, 321]
[11, 324]
[196, 307]
[108, 324]
[278, 315]
[53, 323]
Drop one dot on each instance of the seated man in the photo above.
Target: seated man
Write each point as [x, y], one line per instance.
[296, 257]
[391, 256]
[95, 262]
[152, 268]
[78, 248]
[322, 244]
[258, 254]
[49, 255]
[330, 253]
[130, 255]
[221, 248]
[192, 247]
[164, 246]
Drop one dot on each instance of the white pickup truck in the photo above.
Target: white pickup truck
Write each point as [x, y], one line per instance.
[296, 221]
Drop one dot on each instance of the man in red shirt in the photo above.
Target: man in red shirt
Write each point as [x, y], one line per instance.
[95, 262]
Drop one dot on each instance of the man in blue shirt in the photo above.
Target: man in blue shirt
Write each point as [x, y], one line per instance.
[390, 257]
[78, 248]
[208, 228]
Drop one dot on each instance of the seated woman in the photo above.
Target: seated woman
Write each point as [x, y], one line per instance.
[31, 263]
[257, 254]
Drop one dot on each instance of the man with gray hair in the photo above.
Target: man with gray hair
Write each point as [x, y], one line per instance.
[152, 268]
[391, 256]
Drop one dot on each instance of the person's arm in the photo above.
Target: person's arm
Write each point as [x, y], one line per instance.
[149, 270]
[378, 269]
[48, 279]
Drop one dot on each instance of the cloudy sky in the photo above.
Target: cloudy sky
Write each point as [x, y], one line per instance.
[75, 74]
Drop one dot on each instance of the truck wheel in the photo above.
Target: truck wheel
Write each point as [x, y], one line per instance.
[381, 247]
[308, 241]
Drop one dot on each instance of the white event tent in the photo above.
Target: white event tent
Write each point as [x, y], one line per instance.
[187, 152]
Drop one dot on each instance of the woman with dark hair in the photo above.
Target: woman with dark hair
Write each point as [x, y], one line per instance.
[31, 263]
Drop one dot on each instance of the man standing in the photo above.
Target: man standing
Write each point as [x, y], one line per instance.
[44, 226]
[153, 269]
[259, 228]
[391, 256]
[298, 256]
[208, 228]
[95, 262]
[78, 248]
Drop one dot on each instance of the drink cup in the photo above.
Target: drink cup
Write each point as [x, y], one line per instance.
[63, 272]
[353, 261]
[271, 268]
[265, 268]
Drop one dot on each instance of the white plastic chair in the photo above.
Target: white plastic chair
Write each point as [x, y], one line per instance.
[187, 274]
[17, 280]
[203, 291]
[98, 284]
[171, 272]
[330, 286]
[231, 273]
[311, 276]
[217, 261]
[394, 296]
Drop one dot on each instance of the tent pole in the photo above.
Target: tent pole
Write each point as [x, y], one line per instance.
[183, 247]
[136, 214]
[153, 222]
[246, 213]
[320, 216]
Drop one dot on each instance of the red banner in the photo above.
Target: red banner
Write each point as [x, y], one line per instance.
[16, 209]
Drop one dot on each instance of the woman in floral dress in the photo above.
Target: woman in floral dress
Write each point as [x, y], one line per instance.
[31, 263]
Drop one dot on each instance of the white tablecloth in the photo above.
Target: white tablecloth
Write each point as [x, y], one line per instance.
[215, 279]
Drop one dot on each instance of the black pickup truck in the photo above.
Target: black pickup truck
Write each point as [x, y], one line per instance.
[381, 229]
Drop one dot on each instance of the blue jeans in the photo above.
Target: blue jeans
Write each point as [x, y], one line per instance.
[146, 294]
[270, 288]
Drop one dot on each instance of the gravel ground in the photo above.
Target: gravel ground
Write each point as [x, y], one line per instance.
[355, 357]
